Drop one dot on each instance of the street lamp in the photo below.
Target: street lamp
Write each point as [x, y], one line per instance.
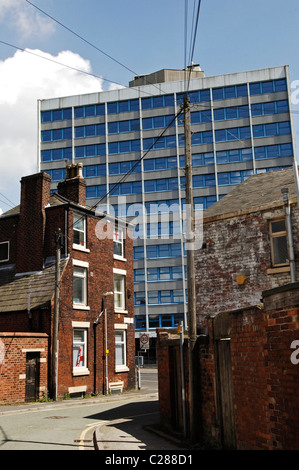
[95, 324]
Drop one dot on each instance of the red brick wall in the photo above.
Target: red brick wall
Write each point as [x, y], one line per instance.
[265, 381]
[35, 196]
[13, 348]
[34, 243]
[100, 281]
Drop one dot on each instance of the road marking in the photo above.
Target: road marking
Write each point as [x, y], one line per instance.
[88, 428]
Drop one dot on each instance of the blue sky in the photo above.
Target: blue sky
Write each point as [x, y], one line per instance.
[143, 36]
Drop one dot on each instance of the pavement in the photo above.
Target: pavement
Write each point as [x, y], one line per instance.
[137, 430]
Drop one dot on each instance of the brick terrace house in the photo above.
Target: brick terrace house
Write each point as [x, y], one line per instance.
[247, 291]
[96, 283]
[248, 247]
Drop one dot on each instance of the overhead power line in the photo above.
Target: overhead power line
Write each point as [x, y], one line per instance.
[80, 37]
[60, 63]
[89, 43]
[123, 178]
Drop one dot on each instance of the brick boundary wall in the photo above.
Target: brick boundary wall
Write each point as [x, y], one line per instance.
[265, 381]
[13, 348]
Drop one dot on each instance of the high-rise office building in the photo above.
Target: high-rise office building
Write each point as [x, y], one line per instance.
[131, 143]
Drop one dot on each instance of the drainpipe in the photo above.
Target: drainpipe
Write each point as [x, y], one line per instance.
[95, 324]
[285, 193]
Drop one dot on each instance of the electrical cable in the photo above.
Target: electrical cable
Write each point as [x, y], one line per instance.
[59, 63]
[89, 43]
[123, 178]
[11, 203]
[193, 43]
[80, 37]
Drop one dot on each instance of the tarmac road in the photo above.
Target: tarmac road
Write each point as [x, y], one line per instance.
[116, 422]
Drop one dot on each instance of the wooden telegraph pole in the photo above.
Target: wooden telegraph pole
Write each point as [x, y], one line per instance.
[190, 266]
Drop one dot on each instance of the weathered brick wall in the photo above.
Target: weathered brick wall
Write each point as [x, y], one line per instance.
[13, 347]
[237, 246]
[265, 380]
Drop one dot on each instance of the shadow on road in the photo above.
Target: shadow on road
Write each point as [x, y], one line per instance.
[128, 427]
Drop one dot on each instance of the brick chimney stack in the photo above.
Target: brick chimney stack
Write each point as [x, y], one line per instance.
[74, 186]
[35, 196]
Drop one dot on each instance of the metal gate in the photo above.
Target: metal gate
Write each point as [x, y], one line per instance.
[32, 376]
[225, 393]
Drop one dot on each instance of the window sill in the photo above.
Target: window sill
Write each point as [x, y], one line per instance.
[283, 269]
[80, 248]
[121, 311]
[77, 371]
[120, 258]
[122, 369]
[80, 307]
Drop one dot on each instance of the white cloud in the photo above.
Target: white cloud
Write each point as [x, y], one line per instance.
[25, 78]
[22, 17]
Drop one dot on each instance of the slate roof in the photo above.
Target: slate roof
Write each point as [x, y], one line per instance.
[39, 285]
[258, 191]
[55, 200]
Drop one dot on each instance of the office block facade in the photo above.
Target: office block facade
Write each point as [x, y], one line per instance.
[131, 143]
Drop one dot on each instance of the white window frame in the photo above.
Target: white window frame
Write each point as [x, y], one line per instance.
[83, 266]
[8, 248]
[121, 330]
[120, 274]
[79, 246]
[80, 369]
[118, 239]
[273, 235]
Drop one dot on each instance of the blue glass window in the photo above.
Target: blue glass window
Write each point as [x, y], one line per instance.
[79, 112]
[153, 297]
[232, 113]
[139, 299]
[280, 85]
[229, 92]
[57, 115]
[140, 322]
[219, 114]
[157, 101]
[258, 130]
[255, 88]
[241, 90]
[91, 192]
[217, 93]
[205, 95]
[198, 181]
[267, 87]
[284, 128]
[220, 135]
[46, 116]
[112, 108]
[210, 180]
[165, 296]
[139, 275]
[286, 150]
[223, 179]
[90, 150]
[138, 252]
